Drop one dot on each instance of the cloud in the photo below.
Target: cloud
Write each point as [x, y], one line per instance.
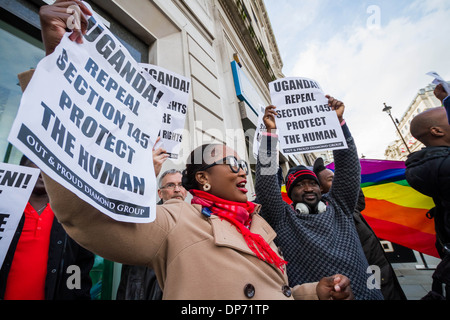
[366, 67]
[299, 18]
[293, 21]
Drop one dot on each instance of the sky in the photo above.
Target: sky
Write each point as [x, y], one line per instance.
[365, 53]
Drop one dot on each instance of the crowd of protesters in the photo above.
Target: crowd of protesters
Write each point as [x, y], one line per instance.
[219, 245]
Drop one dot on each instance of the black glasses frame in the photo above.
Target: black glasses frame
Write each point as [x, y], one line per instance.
[241, 164]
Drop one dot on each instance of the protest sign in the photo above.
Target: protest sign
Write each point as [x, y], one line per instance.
[439, 80]
[260, 128]
[174, 116]
[16, 185]
[305, 121]
[89, 120]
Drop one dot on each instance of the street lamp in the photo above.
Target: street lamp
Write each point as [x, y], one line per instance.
[387, 109]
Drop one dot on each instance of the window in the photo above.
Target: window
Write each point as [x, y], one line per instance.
[20, 52]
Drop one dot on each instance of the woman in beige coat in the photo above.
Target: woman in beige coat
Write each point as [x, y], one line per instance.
[216, 248]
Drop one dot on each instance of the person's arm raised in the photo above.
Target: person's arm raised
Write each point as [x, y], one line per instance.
[61, 17]
[129, 243]
[117, 241]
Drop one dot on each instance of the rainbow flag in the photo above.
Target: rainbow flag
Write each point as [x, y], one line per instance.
[284, 194]
[395, 211]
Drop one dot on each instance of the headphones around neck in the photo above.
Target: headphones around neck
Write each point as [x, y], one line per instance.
[304, 209]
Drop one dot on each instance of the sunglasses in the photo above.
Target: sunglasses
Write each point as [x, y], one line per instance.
[234, 164]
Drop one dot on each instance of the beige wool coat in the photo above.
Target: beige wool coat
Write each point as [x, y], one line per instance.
[194, 256]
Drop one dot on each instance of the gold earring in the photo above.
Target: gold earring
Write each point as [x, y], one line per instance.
[206, 187]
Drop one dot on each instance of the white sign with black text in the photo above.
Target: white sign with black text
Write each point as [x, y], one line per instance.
[305, 121]
[89, 120]
[174, 116]
[16, 185]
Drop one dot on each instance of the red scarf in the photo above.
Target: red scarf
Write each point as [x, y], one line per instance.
[239, 215]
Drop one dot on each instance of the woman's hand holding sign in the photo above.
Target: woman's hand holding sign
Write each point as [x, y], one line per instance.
[56, 19]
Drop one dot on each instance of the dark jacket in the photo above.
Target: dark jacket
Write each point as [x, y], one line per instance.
[63, 252]
[428, 171]
[374, 252]
[138, 283]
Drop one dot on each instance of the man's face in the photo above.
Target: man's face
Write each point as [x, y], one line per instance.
[39, 188]
[326, 180]
[172, 188]
[306, 191]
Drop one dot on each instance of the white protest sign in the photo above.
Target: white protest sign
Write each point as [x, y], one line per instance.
[439, 80]
[16, 185]
[172, 127]
[305, 121]
[89, 120]
[260, 128]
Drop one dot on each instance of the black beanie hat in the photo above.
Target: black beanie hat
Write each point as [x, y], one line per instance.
[318, 166]
[297, 174]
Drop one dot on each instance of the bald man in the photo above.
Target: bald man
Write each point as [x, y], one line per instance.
[432, 128]
[428, 171]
